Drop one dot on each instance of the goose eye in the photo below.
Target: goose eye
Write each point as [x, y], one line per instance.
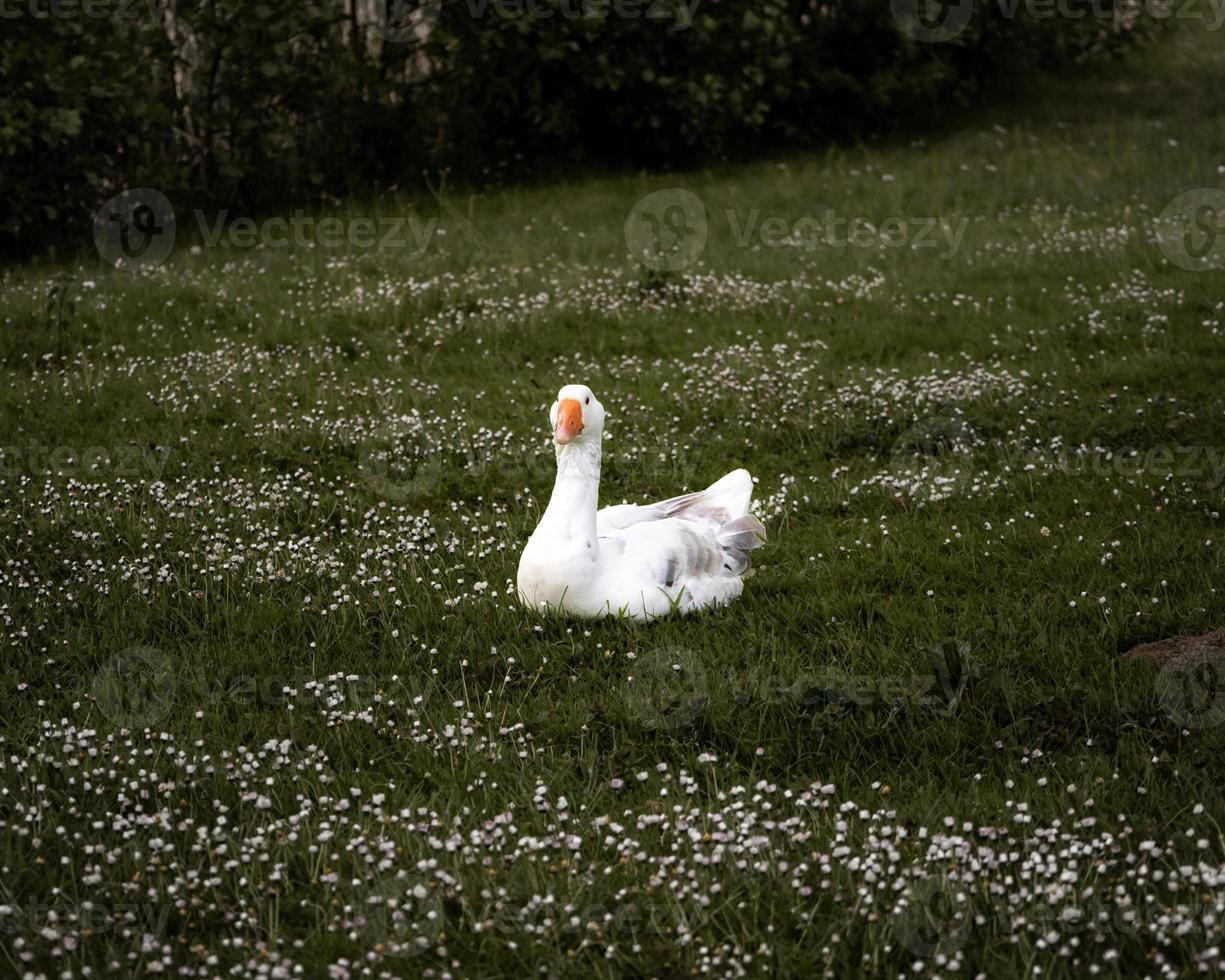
[586, 401]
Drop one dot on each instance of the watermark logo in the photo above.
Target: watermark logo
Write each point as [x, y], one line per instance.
[666, 230]
[678, 13]
[1188, 462]
[398, 472]
[135, 229]
[935, 455]
[935, 435]
[85, 463]
[136, 688]
[929, 922]
[932, 21]
[401, 917]
[147, 13]
[1191, 230]
[404, 21]
[306, 231]
[33, 917]
[1192, 694]
[383, 465]
[953, 676]
[938, 21]
[832, 230]
[668, 689]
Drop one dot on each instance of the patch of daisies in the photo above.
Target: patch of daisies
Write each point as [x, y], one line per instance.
[177, 855]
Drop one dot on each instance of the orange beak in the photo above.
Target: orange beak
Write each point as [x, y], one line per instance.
[569, 421]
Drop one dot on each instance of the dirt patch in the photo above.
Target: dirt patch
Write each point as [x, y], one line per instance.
[1190, 685]
[1181, 652]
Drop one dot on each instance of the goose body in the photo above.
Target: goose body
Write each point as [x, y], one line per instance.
[642, 560]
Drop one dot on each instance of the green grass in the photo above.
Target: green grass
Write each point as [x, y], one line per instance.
[253, 469]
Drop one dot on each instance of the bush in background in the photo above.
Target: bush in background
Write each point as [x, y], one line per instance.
[257, 105]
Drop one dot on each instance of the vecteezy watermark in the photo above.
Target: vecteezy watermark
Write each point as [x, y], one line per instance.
[305, 231]
[677, 12]
[34, 916]
[1192, 693]
[1186, 462]
[148, 10]
[400, 916]
[667, 689]
[139, 686]
[1191, 229]
[394, 469]
[393, 21]
[203, 688]
[403, 21]
[832, 230]
[666, 230]
[136, 230]
[384, 472]
[936, 917]
[136, 688]
[670, 688]
[411, 21]
[621, 919]
[952, 676]
[932, 21]
[937, 21]
[413, 914]
[933, 459]
[929, 921]
[946, 449]
[84, 462]
[936, 435]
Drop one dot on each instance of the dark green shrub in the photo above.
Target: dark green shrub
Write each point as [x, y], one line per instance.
[255, 105]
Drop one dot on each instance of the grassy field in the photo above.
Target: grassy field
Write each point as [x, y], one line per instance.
[269, 706]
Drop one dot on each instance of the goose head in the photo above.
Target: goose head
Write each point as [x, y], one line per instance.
[576, 417]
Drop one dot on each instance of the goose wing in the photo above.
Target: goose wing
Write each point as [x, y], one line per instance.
[675, 552]
[724, 500]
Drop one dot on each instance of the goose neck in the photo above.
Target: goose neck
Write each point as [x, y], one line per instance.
[576, 491]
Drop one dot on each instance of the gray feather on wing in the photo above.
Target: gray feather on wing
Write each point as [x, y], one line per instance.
[743, 534]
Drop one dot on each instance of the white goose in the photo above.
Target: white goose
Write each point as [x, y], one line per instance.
[643, 561]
